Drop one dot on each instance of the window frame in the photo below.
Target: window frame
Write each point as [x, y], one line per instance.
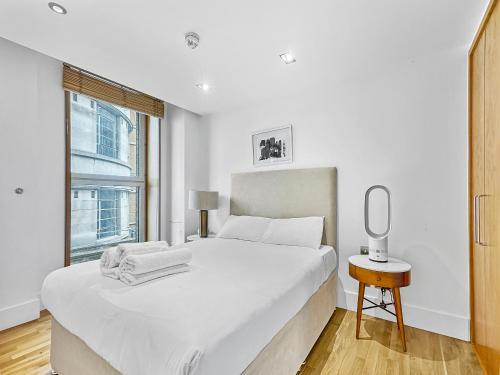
[140, 181]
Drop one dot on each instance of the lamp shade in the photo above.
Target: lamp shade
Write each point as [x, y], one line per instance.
[203, 200]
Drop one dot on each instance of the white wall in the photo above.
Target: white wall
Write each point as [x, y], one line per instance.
[176, 182]
[165, 176]
[32, 157]
[189, 169]
[405, 128]
[196, 167]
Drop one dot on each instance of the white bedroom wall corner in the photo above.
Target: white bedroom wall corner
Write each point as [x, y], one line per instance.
[188, 164]
[175, 120]
[165, 177]
[196, 165]
[14, 315]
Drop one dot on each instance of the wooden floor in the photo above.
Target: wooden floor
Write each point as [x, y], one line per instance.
[379, 350]
[25, 350]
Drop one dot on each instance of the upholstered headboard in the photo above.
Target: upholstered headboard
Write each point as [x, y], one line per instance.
[288, 193]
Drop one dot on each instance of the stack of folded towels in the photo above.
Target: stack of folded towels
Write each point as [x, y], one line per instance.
[136, 263]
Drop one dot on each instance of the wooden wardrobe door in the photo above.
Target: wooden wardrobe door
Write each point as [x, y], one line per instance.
[491, 203]
[478, 288]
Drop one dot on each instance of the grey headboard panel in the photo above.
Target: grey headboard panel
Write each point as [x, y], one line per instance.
[288, 193]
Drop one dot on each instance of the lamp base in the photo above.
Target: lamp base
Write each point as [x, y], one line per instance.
[203, 223]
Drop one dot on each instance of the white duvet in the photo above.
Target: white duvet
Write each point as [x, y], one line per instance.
[214, 319]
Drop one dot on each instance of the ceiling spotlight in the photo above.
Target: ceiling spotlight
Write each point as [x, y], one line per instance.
[192, 39]
[59, 9]
[203, 86]
[288, 58]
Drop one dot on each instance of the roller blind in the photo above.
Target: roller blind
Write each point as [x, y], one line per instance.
[86, 83]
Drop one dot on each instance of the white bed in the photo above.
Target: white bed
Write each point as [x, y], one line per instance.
[244, 308]
[214, 319]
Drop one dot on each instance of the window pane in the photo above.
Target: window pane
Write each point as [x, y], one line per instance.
[107, 144]
[104, 138]
[102, 216]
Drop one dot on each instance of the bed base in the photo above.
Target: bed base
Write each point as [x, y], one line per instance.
[284, 354]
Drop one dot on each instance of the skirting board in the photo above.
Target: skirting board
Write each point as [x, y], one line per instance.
[18, 314]
[414, 316]
[419, 317]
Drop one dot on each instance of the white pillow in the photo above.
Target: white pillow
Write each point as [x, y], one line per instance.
[301, 231]
[249, 228]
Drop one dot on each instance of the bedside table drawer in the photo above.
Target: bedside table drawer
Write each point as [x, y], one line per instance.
[380, 279]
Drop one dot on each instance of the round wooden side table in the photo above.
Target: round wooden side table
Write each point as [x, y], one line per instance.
[390, 275]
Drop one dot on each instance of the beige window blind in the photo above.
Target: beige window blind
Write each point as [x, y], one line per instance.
[83, 82]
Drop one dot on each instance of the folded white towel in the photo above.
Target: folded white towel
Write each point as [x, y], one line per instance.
[109, 258]
[137, 264]
[134, 279]
[136, 248]
[113, 273]
[112, 256]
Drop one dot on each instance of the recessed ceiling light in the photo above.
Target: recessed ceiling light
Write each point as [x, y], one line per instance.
[192, 39]
[288, 58]
[203, 86]
[59, 9]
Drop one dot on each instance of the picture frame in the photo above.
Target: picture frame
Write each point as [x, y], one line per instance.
[272, 146]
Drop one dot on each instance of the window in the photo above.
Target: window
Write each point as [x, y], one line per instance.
[108, 132]
[105, 164]
[108, 213]
[107, 161]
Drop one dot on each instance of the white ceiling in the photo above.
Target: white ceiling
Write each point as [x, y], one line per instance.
[141, 43]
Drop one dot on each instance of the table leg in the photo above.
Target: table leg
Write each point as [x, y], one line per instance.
[399, 316]
[361, 294]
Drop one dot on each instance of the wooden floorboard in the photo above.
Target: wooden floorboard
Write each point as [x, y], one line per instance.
[25, 350]
[379, 350]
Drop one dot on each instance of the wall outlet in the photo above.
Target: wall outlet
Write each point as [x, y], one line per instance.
[363, 250]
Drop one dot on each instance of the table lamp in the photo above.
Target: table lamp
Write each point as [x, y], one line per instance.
[203, 201]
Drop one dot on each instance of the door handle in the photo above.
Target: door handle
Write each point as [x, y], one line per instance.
[476, 225]
[477, 220]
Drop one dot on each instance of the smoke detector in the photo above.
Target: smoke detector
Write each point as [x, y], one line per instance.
[192, 40]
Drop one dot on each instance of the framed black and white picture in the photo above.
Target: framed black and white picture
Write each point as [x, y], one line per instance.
[272, 146]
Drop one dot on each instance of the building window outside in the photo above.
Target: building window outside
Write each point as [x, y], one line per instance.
[107, 177]
[108, 219]
[75, 97]
[108, 132]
